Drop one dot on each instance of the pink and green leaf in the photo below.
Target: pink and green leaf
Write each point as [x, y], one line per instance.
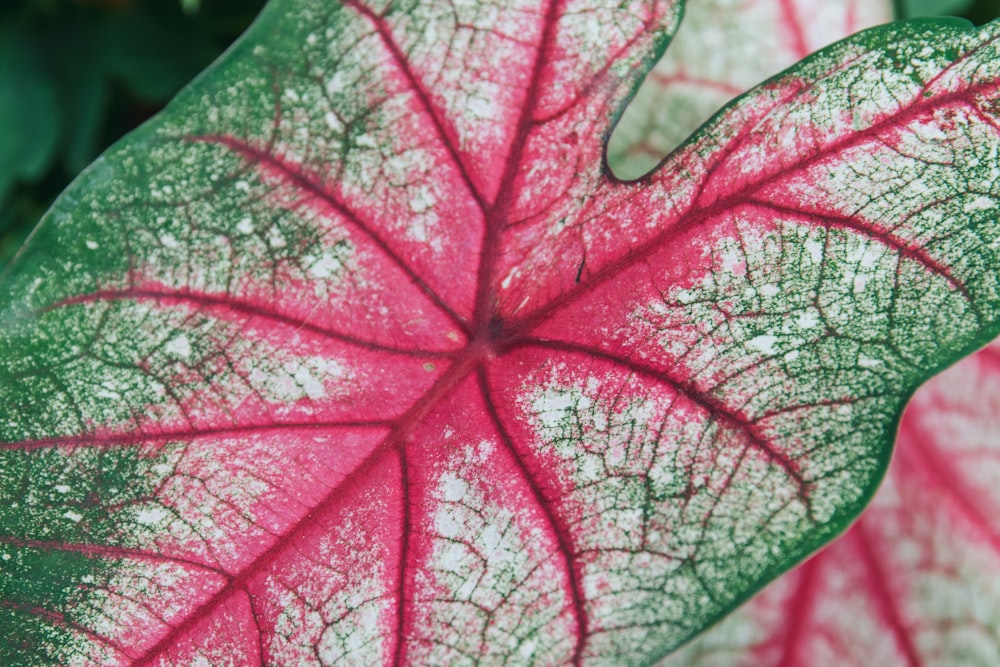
[358, 354]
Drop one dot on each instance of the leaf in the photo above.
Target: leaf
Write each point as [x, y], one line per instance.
[358, 354]
[723, 48]
[913, 582]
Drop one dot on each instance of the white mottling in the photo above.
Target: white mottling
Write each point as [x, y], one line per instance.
[245, 226]
[454, 488]
[868, 362]
[480, 108]
[150, 516]
[732, 261]
[764, 344]
[418, 230]
[276, 239]
[162, 469]
[808, 320]
[815, 250]
[104, 392]
[336, 84]
[168, 240]
[292, 95]
[242, 186]
[553, 407]
[92, 245]
[5, 557]
[323, 266]
[979, 204]
[792, 355]
[314, 388]
[769, 290]
[860, 282]
[930, 132]
[366, 141]
[311, 39]
[62, 488]
[179, 346]
[422, 200]
[87, 579]
[73, 516]
[333, 122]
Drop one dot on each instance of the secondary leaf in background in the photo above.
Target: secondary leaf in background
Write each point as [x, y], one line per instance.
[723, 48]
[914, 581]
[358, 354]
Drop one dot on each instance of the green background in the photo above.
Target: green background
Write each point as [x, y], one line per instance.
[75, 75]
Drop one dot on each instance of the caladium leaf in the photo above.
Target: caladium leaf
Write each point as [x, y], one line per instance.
[914, 581]
[723, 48]
[358, 354]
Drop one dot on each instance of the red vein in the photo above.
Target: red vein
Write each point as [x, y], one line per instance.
[884, 599]
[558, 529]
[946, 478]
[252, 310]
[799, 609]
[713, 406]
[303, 182]
[133, 437]
[794, 25]
[886, 237]
[106, 551]
[725, 87]
[499, 213]
[403, 64]
[399, 652]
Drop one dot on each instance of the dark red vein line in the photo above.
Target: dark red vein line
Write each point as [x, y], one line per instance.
[798, 611]
[946, 479]
[884, 599]
[560, 531]
[402, 599]
[498, 215]
[106, 551]
[391, 444]
[714, 407]
[132, 438]
[885, 237]
[251, 310]
[425, 101]
[600, 77]
[258, 631]
[305, 183]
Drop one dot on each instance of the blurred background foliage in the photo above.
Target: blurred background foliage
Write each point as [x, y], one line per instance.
[75, 75]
